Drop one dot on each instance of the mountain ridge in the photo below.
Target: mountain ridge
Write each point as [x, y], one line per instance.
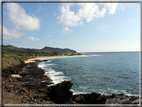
[46, 49]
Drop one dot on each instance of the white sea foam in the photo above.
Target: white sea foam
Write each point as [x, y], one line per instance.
[49, 61]
[57, 77]
[49, 64]
[78, 92]
[82, 87]
[115, 91]
[103, 92]
[41, 65]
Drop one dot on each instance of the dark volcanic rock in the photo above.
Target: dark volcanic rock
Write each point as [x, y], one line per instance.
[60, 93]
[47, 82]
[93, 98]
[31, 88]
[122, 99]
[44, 60]
[78, 98]
[6, 73]
[38, 60]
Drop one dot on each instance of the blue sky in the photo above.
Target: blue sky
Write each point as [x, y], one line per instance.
[84, 27]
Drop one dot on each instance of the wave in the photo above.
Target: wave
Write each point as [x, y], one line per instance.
[41, 65]
[78, 92]
[73, 69]
[104, 92]
[57, 77]
[49, 61]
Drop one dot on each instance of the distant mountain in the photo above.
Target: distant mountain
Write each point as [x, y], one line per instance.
[58, 50]
[13, 49]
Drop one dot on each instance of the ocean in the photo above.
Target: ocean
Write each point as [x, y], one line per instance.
[101, 72]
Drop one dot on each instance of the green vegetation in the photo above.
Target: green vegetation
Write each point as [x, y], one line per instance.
[12, 55]
[9, 59]
[46, 51]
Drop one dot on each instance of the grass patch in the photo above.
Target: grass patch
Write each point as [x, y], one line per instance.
[13, 59]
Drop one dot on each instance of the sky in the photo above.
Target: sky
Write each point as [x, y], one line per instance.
[84, 27]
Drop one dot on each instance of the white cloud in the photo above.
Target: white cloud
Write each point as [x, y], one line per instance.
[66, 29]
[33, 38]
[111, 7]
[20, 19]
[68, 17]
[120, 6]
[87, 11]
[11, 34]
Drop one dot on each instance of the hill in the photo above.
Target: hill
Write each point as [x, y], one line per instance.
[31, 52]
[58, 50]
[13, 55]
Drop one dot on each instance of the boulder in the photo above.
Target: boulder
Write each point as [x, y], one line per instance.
[60, 93]
[92, 98]
[79, 99]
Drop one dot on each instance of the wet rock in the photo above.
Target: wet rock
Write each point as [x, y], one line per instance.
[60, 93]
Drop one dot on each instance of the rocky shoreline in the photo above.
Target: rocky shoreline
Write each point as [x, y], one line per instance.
[31, 87]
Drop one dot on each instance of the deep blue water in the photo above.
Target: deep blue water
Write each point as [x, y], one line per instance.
[102, 72]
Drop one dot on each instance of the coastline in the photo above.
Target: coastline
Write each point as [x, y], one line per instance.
[30, 88]
[49, 57]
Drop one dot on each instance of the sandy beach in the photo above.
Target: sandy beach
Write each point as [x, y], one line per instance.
[49, 57]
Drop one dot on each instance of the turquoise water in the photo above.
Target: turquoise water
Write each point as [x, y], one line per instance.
[103, 72]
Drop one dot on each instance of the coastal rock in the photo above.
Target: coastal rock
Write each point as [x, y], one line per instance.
[44, 60]
[122, 99]
[38, 60]
[79, 98]
[93, 98]
[60, 93]
[31, 88]
[47, 82]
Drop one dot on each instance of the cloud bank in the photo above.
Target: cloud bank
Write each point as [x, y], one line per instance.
[86, 11]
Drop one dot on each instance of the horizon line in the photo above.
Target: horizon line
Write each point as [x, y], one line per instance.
[109, 51]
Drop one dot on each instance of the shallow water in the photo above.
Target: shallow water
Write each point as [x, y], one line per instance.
[104, 72]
